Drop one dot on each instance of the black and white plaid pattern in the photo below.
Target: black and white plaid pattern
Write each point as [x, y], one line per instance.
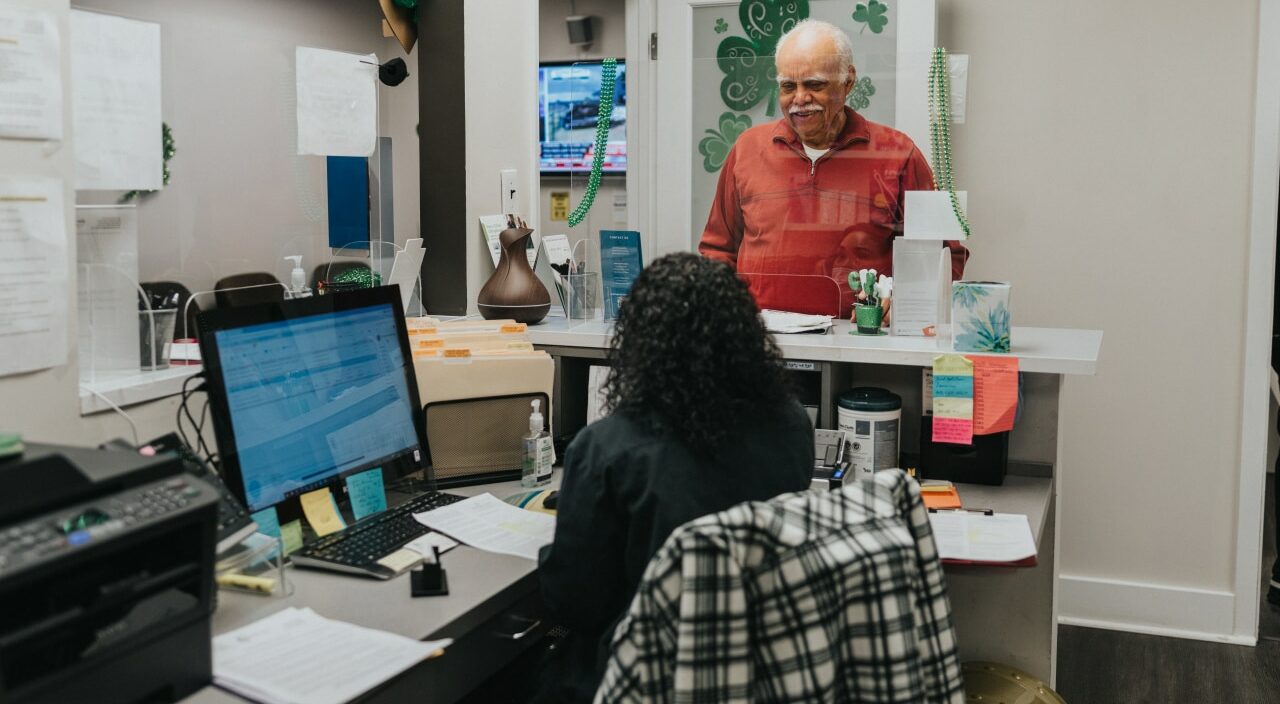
[810, 597]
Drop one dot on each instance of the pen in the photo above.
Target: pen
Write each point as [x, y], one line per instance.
[982, 511]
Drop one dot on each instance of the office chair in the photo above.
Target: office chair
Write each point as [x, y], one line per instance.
[797, 599]
[165, 289]
[264, 293]
[332, 270]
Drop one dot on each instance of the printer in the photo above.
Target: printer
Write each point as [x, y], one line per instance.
[106, 577]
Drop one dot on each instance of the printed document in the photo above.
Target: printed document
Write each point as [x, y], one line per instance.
[972, 537]
[297, 656]
[487, 523]
[33, 275]
[337, 102]
[30, 75]
[115, 103]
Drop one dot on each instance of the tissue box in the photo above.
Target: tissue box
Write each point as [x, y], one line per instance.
[980, 316]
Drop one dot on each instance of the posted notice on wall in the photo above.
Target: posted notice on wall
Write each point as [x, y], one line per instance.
[30, 75]
[337, 102]
[115, 103]
[33, 275]
[107, 288]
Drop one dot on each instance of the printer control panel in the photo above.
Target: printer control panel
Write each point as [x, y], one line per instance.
[68, 529]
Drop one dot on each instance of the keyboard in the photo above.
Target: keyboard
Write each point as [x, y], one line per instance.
[357, 549]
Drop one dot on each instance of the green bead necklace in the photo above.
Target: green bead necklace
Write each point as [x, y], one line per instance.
[940, 131]
[604, 115]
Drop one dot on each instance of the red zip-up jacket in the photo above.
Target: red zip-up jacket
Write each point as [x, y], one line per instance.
[790, 226]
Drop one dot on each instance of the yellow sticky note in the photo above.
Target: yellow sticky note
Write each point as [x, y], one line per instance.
[400, 560]
[322, 512]
[953, 408]
[953, 364]
[291, 534]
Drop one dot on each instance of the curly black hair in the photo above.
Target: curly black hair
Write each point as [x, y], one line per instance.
[690, 354]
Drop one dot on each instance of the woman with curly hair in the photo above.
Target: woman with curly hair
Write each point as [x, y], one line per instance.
[701, 418]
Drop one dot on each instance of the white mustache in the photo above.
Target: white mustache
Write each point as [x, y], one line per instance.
[807, 108]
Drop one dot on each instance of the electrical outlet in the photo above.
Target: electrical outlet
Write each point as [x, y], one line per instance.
[510, 194]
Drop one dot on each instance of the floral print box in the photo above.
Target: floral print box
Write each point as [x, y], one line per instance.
[980, 316]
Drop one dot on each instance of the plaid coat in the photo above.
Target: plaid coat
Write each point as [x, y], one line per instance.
[809, 597]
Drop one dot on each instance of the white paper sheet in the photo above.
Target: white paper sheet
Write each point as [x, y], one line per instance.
[30, 75]
[781, 321]
[107, 289]
[1000, 538]
[423, 546]
[929, 215]
[115, 102]
[487, 523]
[296, 655]
[33, 275]
[337, 102]
[405, 269]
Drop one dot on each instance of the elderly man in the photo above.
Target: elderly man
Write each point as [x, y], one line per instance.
[819, 193]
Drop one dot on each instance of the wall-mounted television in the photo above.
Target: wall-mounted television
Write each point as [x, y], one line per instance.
[568, 106]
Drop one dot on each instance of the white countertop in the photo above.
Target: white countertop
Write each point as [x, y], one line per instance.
[1045, 350]
[129, 387]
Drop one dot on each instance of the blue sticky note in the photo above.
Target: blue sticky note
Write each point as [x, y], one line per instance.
[367, 493]
[268, 522]
[949, 386]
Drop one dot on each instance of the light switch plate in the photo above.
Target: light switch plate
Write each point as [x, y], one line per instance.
[509, 194]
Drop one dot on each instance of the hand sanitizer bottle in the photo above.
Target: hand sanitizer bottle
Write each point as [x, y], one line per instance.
[297, 278]
[539, 453]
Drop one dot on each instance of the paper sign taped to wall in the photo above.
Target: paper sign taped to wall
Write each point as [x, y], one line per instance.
[337, 102]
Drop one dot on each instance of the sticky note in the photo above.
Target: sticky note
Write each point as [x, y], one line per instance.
[953, 386]
[268, 522]
[957, 431]
[367, 493]
[995, 394]
[291, 534]
[954, 364]
[401, 560]
[322, 512]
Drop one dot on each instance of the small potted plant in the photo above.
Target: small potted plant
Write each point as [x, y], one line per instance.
[871, 297]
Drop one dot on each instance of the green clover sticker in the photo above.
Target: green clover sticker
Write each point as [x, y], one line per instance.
[860, 95]
[747, 62]
[872, 15]
[716, 145]
[721, 25]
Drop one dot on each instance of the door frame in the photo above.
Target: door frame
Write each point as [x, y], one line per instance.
[1259, 298]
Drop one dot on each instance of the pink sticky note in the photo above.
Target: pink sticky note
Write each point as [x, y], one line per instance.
[995, 393]
[957, 431]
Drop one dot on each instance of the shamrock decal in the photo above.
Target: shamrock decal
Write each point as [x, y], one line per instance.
[860, 95]
[721, 25]
[716, 145]
[747, 62]
[871, 15]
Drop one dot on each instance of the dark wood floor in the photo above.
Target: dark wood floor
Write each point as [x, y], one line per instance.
[1110, 667]
[1269, 624]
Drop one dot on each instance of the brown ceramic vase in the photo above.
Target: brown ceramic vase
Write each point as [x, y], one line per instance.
[514, 291]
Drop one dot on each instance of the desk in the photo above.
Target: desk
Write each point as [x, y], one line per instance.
[1007, 615]
[485, 590]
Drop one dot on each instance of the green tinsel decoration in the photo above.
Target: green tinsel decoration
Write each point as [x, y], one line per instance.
[168, 150]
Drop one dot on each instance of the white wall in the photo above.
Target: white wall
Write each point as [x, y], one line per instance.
[1107, 154]
[501, 56]
[241, 198]
[236, 194]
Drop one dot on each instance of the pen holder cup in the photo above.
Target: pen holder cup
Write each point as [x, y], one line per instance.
[255, 566]
[583, 296]
[155, 331]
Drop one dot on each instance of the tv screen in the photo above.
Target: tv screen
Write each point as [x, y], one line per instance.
[568, 106]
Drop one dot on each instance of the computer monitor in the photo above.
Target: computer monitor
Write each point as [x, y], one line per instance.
[568, 106]
[307, 392]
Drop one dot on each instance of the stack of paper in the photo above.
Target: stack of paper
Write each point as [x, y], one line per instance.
[972, 538]
[296, 656]
[781, 321]
[488, 523]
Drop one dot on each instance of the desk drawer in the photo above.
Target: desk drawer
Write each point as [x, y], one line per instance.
[474, 657]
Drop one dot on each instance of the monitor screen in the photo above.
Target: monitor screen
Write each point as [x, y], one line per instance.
[311, 396]
[568, 106]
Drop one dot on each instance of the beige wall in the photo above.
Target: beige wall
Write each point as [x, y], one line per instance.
[1107, 155]
[238, 195]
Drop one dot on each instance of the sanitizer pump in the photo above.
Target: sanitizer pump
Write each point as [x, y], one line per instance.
[298, 278]
[539, 452]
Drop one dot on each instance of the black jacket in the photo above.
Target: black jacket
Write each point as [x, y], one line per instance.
[625, 489]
